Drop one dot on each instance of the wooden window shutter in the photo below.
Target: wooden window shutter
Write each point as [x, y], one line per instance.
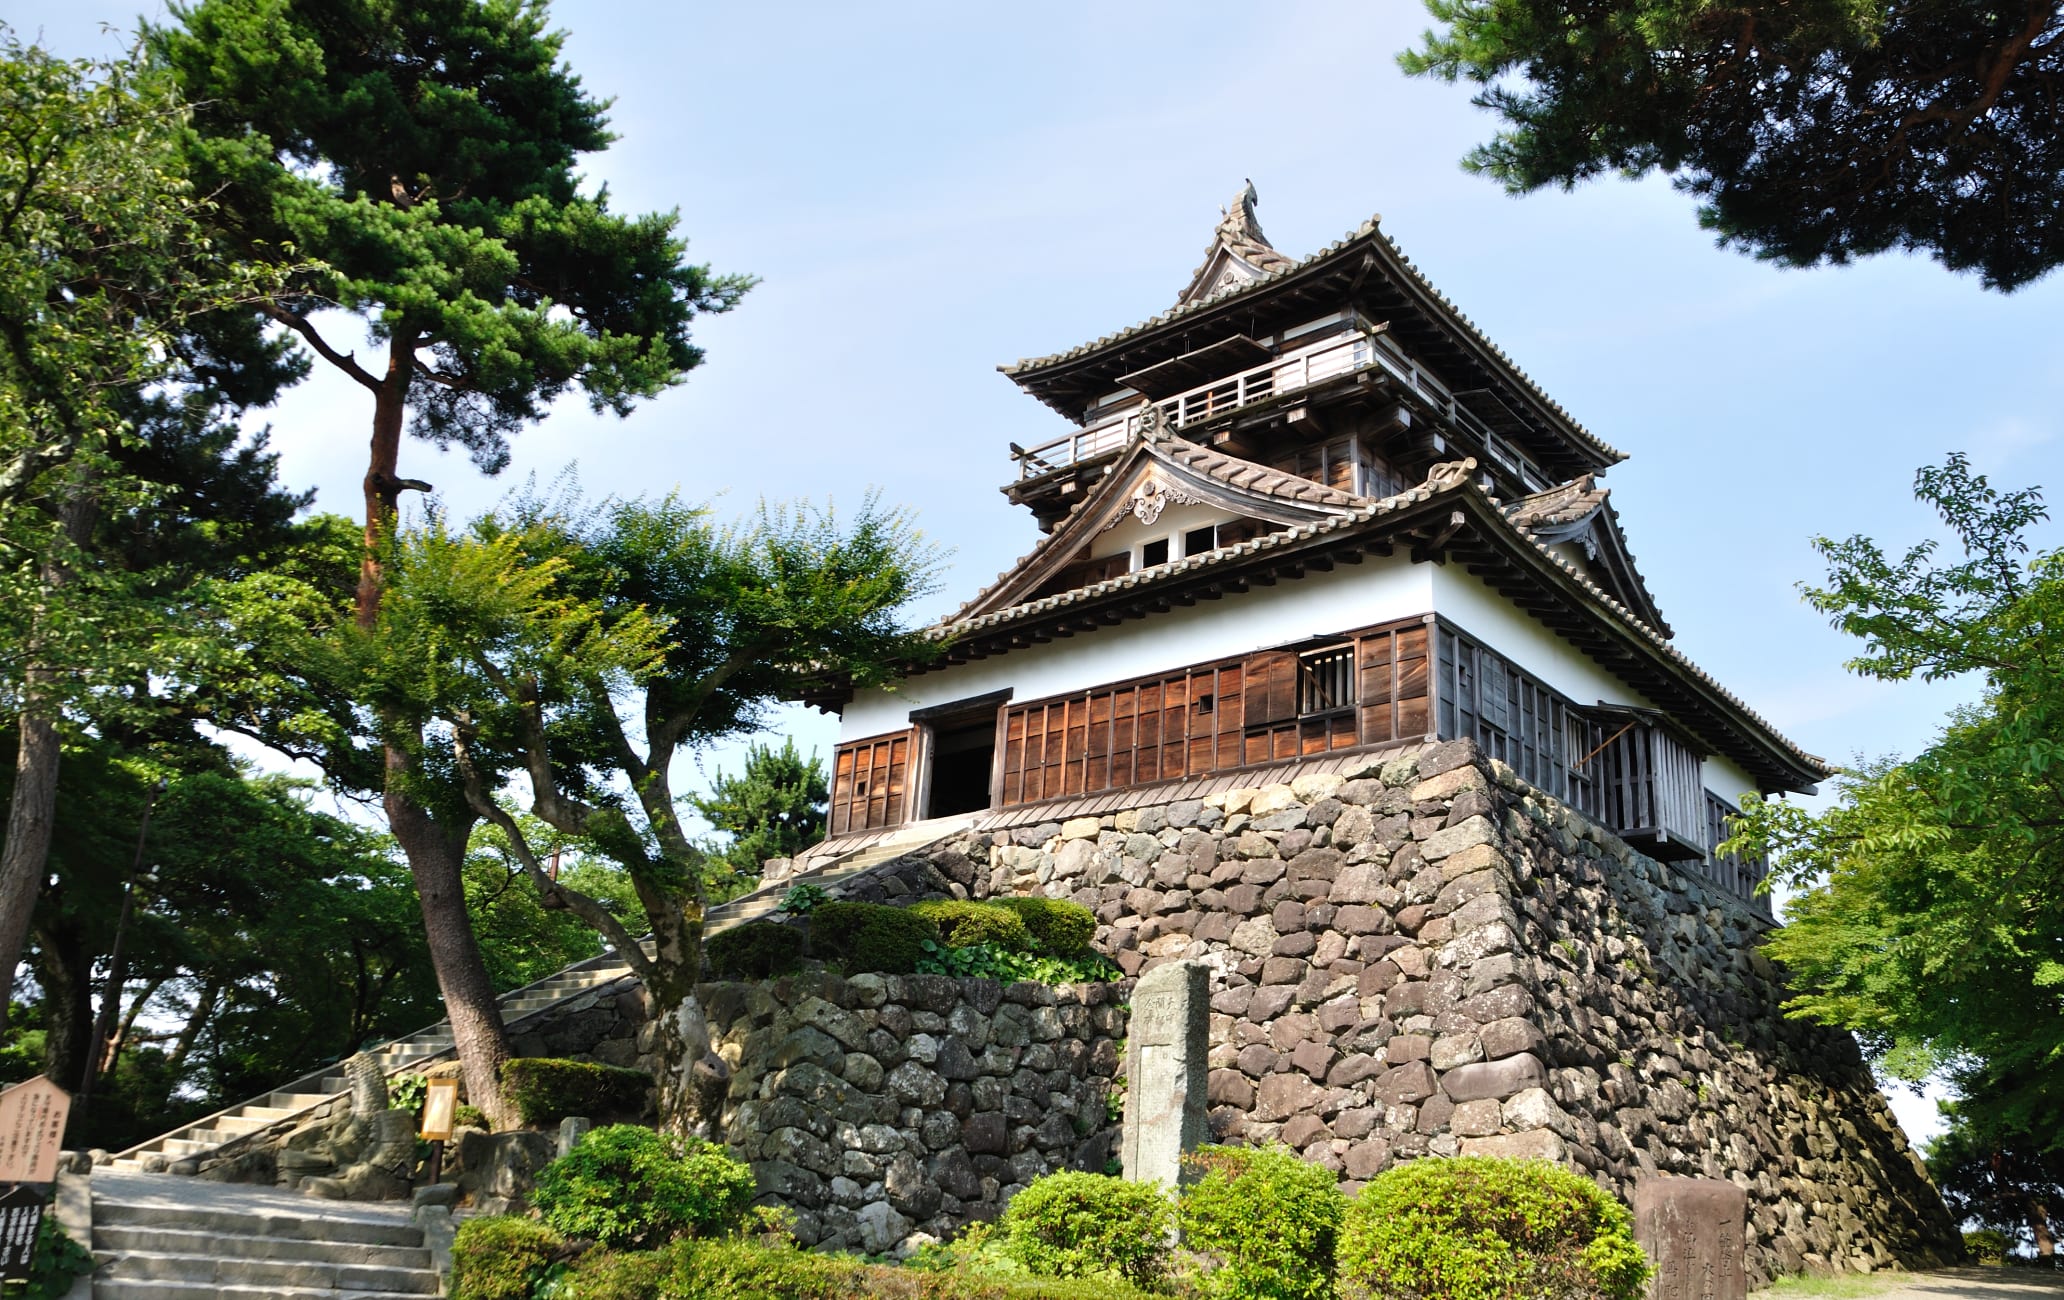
[1270, 680]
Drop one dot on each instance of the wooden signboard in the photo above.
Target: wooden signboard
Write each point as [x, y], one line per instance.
[21, 1214]
[440, 1105]
[32, 1125]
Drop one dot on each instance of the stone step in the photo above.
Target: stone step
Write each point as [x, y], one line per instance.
[266, 1113]
[293, 1101]
[276, 1274]
[182, 1241]
[251, 1223]
[240, 1124]
[115, 1289]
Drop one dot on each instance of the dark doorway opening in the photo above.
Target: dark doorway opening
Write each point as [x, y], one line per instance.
[963, 755]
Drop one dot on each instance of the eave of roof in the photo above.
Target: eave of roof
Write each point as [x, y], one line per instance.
[1448, 487]
[1370, 237]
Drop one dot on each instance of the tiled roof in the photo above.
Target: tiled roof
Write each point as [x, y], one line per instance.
[1243, 476]
[1441, 479]
[1558, 515]
[1568, 503]
[1251, 477]
[1362, 235]
[1450, 479]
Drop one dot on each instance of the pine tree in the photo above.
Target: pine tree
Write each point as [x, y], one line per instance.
[425, 151]
[774, 808]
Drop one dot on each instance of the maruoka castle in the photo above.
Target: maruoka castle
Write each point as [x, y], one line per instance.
[1333, 676]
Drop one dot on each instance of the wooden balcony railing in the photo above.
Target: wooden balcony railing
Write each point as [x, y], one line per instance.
[1361, 350]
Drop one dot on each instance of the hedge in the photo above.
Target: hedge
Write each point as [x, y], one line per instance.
[1475, 1228]
[500, 1257]
[741, 1270]
[1264, 1220]
[755, 950]
[545, 1090]
[965, 925]
[1090, 1225]
[630, 1186]
[1061, 928]
[870, 936]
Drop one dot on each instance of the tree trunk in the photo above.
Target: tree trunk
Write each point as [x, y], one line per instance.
[64, 967]
[2039, 1223]
[203, 1010]
[436, 852]
[32, 811]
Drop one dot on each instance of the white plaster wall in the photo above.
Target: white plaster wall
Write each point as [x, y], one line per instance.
[1129, 533]
[1725, 778]
[1320, 604]
[1470, 604]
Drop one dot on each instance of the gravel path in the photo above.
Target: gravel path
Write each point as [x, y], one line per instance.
[1979, 1284]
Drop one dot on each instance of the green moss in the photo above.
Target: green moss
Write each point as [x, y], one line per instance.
[545, 1090]
[500, 1257]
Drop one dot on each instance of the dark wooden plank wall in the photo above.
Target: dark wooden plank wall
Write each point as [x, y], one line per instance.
[870, 782]
[1212, 718]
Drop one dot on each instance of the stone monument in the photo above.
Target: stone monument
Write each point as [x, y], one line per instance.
[1694, 1230]
[1166, 1068]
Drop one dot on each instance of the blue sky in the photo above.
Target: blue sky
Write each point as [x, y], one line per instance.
[929, 190]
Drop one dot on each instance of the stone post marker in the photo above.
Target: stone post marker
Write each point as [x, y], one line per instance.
[1694, 1230]
[1165, 1068]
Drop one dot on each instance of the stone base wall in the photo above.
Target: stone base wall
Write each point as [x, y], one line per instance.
[885, 1109]
[1428, 957]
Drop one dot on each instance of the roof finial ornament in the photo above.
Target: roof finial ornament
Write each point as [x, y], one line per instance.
[1239, 252]
[1238, 225]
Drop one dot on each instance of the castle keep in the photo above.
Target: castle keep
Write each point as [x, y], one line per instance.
[1333, 673]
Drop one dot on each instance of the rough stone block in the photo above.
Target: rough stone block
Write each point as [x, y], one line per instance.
[1480, 1118]
[1503, 1038]
[1403, 1085]
[1499, 1079]
[1537, 1145]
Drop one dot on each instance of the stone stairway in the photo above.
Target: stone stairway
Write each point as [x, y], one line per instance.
[161, 1238]
[827, 865]
[327, 1085]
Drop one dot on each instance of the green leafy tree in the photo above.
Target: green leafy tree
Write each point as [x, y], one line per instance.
[1814, 131]
[774, 808]
[108, 275]
[1929, 919]
[2012, 1182]
[427, 152]
[586, 648]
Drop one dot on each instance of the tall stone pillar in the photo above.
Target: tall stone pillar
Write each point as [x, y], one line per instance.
[1166, 1061]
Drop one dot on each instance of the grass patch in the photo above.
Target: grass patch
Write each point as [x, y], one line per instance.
[1845, 1286]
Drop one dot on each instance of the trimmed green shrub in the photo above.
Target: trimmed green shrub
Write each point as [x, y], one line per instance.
[1986, 1246]
[629, 1186]
[500, 1257]
[741, 1270]
[1476, 1228]
[545, 1090]
[754, 950]
[1059, 927]
[1266, 1220]
[870, 936]
[964, 924]
[1089, 1225]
